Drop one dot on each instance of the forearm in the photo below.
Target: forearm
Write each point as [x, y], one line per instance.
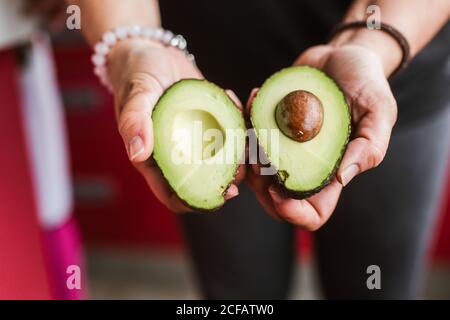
[417, 20]
[100, 16]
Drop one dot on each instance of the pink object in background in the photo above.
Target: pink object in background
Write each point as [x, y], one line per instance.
[63, 250]
[22, 268]
[39, 240]
[45, 132]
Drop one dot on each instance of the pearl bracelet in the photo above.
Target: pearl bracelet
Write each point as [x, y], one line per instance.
[111, 38]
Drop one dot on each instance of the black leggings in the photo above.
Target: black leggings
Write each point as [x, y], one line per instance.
[385, 217]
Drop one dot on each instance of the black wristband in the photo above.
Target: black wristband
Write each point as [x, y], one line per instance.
[394, 33]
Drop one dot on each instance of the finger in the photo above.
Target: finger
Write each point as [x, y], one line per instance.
[372, 136]
[257, 182]
[134, 116]
[298, 212]
[259, 186]
[232, 192]
[314, 57]
[250, 99]
[311, 213]
[266, 202]
[234, 98]
[160, 188]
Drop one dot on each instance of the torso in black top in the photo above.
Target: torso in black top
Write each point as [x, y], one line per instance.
[238, 44]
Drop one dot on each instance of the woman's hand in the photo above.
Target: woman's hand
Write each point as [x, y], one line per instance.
[361, 75]
[140, 71]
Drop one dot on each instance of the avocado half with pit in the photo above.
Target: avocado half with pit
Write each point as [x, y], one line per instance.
[309, 111]
[199, 142]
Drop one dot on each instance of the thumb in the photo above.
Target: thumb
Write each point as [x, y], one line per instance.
[134, 115]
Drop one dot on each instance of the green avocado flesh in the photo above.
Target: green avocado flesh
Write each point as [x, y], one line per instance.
[303, 168]
[199, 141]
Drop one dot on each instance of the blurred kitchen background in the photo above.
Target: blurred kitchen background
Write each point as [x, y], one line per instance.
[134, 246]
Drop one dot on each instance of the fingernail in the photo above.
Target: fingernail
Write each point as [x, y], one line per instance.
[232, 192]
[254, 91]
[135, 148]
[349, 173]
[274, 194]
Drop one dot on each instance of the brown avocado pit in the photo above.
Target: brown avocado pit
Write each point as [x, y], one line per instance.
[299, 115]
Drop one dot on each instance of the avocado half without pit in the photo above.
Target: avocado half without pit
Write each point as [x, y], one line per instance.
[310, 113]
[199, 142]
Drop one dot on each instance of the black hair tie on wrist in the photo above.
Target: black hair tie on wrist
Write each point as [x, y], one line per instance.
[394, 33]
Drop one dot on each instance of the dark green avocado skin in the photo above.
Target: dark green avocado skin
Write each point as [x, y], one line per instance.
[300, 195]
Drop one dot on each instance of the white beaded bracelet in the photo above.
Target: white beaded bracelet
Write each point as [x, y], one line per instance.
[110, 38]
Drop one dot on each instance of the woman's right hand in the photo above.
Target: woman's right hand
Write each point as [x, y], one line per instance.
[140, 71]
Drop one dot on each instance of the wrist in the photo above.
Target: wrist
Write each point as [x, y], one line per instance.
[120, 46]
[124, 50]
[383, 45]
[126, 55]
